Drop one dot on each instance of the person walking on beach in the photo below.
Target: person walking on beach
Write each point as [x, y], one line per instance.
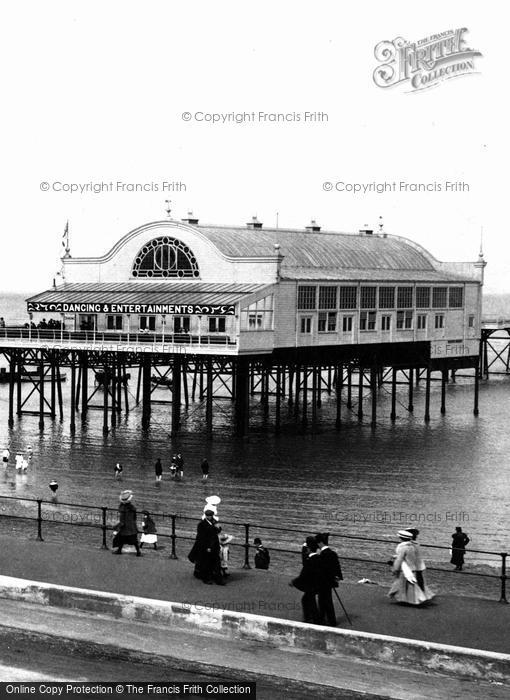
[204, 466]
[149, 530]
[332, 576]
[127, 528]
[158, 468]
[117, 472]
[173, 466]
[406, 589]
[179, 461]
[459, 542]
[5, 457]
[310, 581]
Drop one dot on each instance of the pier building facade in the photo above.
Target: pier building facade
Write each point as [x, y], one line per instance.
[271, 308]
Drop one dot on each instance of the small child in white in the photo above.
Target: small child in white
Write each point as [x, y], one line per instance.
[225, 554]
[149, 530]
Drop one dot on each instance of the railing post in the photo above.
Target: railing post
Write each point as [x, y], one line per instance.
[103, 526]
[503, 578]
[39, 520]
[246, 564]
[173, 555]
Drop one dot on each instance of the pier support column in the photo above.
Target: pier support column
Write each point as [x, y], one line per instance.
[19, 365]
[410, 405]
[106, 384]
[291, 385]
[73, 394]
[41, 392]
[146, 391]
[373, 389]
[12, 371]
[59, 394]
[53, 385]
[113, 385]
[209, 397]
[349, 386]
[84, 385]
[184, 375]
[278, 404]
[477, 385]
[444, 379]
[393, 414]
[242, 397]
[338, 388]
[304, 400]
[176, 394]
[360, 393]
[315, 372]
[297, 385]
[427, 395]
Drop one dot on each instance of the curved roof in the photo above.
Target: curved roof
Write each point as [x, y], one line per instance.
[302, 249]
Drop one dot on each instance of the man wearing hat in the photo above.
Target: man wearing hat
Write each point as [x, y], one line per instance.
[332, 575]
[310, 581]
[127, 528]
[205, 553]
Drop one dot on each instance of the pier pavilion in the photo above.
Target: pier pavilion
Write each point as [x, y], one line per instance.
[280, 312]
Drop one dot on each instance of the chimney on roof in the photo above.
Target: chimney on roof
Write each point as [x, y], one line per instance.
[254, 223]
[190, 219]
[312, 227]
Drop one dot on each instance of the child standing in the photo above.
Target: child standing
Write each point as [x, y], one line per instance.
[149, 531]
[117, 472]
[224, 554]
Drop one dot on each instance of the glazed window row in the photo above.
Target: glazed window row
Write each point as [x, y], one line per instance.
[379, 297]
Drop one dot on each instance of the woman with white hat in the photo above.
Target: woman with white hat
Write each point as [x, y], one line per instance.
[127, 530]
[407, 563]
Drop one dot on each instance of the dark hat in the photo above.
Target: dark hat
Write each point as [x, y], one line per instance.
[145, 512]
[257, 540]
[322, 537]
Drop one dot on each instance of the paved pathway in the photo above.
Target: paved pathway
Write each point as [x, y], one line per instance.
[469, 622]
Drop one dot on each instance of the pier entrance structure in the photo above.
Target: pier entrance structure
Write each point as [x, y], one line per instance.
[287, 313]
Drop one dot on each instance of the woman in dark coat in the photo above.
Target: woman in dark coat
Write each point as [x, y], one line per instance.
[459, 542]
[127, 528]
[205, 553]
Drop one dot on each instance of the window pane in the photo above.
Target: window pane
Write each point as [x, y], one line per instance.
[348, 297]
[404, 297]
[386, 297]
[456, 297]
[368, 296]
[422, 297]
[306, 297]
[327, 297]
[439, 297]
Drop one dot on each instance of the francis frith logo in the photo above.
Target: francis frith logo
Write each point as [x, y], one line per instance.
[424, 63]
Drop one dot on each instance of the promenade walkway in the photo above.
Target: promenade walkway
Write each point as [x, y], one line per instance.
[461, 621]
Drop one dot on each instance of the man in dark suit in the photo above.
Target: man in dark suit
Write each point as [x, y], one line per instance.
[332, 575]
[309, 582]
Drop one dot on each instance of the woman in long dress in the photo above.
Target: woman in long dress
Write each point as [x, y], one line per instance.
[407, 563]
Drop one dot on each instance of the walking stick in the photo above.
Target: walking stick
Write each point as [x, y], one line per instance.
[345, 611]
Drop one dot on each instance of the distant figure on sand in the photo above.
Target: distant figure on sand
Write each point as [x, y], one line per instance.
[54, 487]
[158, 468]
[205, 469]
[5, 457]
[173, 466]
[149, 535]
[180, 465]
[2, 322]
[19, 461]
[408, 561]
[117, 472]
[262, 557]
[459, 542]
[127, 530]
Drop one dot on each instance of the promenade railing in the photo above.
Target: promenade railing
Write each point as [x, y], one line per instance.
[179, 529]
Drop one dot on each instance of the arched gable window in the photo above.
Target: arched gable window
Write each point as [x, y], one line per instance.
[165, 257]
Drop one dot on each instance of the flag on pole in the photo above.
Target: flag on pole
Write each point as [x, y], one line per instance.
[65, 237]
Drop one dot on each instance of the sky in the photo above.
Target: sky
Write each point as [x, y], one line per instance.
[95, 93]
